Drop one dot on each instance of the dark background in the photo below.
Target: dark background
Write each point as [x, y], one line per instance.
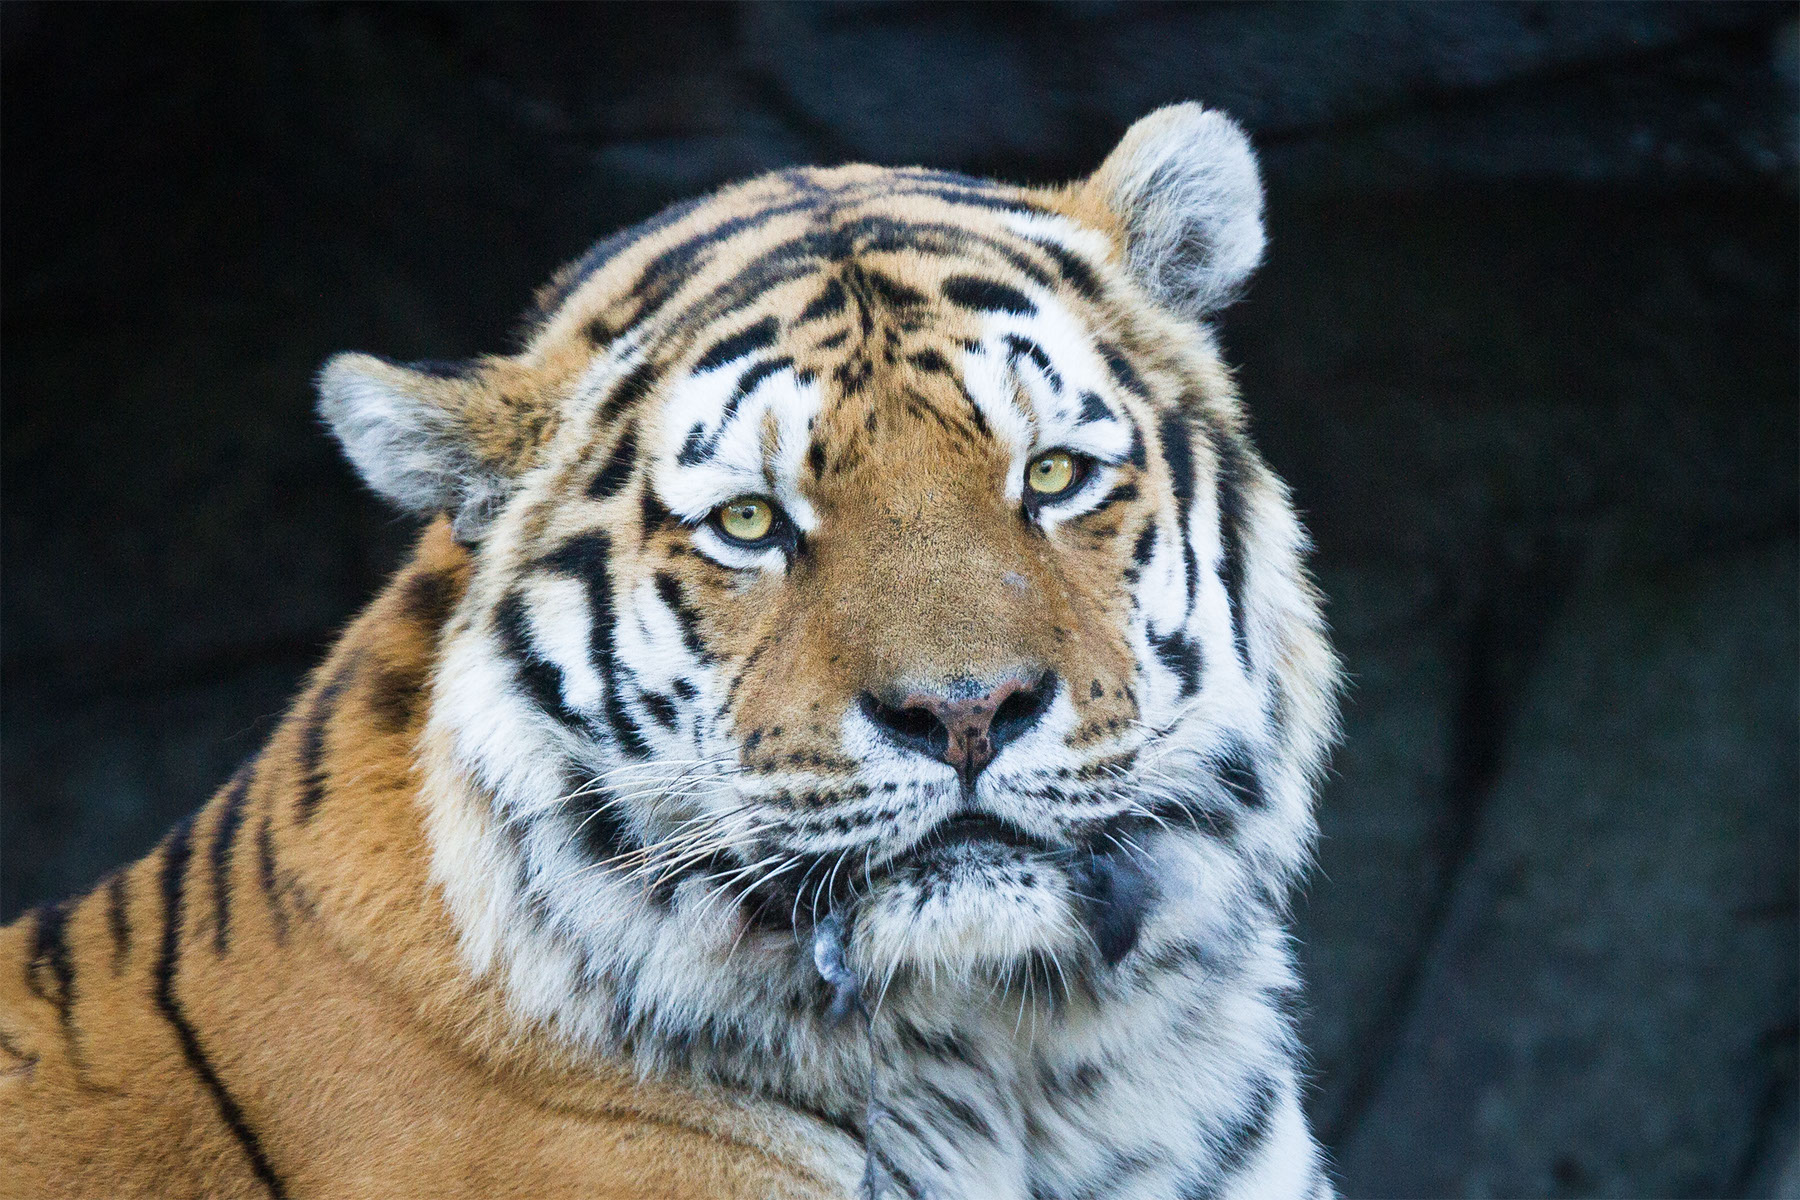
[1525, 346]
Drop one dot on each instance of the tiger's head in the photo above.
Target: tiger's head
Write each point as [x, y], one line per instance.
[874, 542]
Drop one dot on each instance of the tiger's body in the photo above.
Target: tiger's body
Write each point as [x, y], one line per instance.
[761, 782]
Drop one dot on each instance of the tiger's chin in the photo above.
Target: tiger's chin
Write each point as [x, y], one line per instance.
[967, 908]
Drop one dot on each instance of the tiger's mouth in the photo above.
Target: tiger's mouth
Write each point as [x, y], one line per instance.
[977, 828]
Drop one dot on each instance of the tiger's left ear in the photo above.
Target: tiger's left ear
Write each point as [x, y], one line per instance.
[1184, 186]
[438, 437]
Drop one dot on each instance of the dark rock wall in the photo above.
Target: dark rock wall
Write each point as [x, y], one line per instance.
[1525, 346]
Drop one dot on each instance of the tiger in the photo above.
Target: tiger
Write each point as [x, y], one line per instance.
[848, 726]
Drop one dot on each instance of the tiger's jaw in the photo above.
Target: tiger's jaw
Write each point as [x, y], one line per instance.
[978, 896]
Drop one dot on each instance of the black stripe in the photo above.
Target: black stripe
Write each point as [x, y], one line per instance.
[1121, 369]
[1233, 531]
[693, 447]
[312, 742]
[653, 514]
[1220, 823]
[972, 198]
[962, 1113]
[1018, 347]
[599, 825]
[986, 295]
[937, 176]
[1123, 491]
[891, 291]
[748, 382]
[747, 341]
[445, 368]
[1135, 455]
[745, 288]
[175, 860]
[664, 275]
[631, 389]
[930, 361]
[1180, 655]
[1243, 1136]
[231, 817]
[669, 590]
[541, 678]
[1178, 453]
[829, 303]
[1076, 273]
[661, 710]
[394, 694]
[118, 920]
[908, 1186]
[50, 951]
[428, 598]
[1093, 409]
[617, 472]
[921, 407]
[266, 875]
[585, 558]
[1145, 546]
[916, 1136]
[882, 234]
[1237, 771]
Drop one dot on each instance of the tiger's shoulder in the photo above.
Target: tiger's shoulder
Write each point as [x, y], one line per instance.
[240, 1012]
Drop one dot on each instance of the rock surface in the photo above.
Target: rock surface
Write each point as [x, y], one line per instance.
[1607, 1004]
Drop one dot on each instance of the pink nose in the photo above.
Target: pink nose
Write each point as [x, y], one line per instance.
[964, 731]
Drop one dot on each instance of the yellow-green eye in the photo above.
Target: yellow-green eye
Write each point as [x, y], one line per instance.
[1051, 474]
[747, 518]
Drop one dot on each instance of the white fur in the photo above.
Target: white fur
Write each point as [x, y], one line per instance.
[1184, 182]
[405, 443]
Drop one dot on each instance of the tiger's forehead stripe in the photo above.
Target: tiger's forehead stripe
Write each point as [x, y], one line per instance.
[814, 227]
[760, 202]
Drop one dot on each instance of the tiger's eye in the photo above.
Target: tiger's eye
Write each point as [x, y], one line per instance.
[747, 518]
[1051, 474]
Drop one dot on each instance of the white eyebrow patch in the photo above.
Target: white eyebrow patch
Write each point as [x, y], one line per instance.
[1072, 398]
[712, 444]
[989, 380]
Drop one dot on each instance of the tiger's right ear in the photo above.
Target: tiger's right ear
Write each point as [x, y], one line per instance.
[435, 437]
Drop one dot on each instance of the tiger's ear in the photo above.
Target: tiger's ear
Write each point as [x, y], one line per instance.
[1184, 186]
[433, 437]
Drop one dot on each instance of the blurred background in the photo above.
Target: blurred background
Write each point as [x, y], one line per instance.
[1525, 346]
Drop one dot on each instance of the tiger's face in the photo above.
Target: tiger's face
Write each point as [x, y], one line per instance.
[882, 543]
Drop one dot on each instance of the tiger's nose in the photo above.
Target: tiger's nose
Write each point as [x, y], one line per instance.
[964, 730]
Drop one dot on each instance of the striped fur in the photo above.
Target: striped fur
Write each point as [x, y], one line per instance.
[523, 896]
